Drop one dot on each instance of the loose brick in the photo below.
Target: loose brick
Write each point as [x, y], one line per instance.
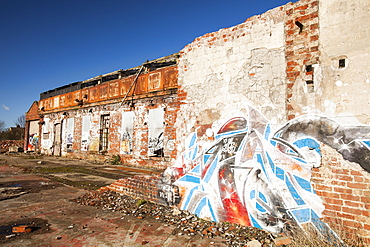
[282, 241]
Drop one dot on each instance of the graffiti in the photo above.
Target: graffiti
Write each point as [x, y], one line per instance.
[69, 134]
[84, 145]
[155, 146]
[126, 143]
[155, 132]
[353, 142]
[253, 176]
[127, 132]
[170, 145]
[69, 139]
[33, 142]
[85, 133]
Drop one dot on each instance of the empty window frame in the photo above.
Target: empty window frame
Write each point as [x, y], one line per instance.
[85, 133]
[127, 132]
[69, 134]
[156, 131]
[104, 133]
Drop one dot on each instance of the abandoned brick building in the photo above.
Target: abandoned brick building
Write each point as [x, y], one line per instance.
[127, 112]
[257, 124]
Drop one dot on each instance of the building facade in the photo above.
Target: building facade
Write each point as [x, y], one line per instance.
[128, 113]
[265, 123]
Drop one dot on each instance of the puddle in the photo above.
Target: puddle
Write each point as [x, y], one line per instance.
[35, 226]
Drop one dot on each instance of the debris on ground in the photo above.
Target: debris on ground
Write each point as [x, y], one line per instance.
[22, 228]
[185, 222]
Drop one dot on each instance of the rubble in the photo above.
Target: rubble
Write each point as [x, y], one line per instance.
[185, 222]
[11, 145]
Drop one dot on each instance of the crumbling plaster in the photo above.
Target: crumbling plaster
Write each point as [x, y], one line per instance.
[345, 34]
[224, 71]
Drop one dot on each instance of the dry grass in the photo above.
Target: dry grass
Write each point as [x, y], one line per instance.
[311, 238]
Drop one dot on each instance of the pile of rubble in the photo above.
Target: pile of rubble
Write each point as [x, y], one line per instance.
[7, 144]
[186, 223]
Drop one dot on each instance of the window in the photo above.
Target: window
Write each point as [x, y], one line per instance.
[85, 133]
[127, 132]
[342, 63]
[104, 133]
[156, 129]
[69, 134]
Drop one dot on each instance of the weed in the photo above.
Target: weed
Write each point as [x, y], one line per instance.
[140, 202]
[115, 160]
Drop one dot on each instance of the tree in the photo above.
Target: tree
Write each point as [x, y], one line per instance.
[2, 125]
[21, 121]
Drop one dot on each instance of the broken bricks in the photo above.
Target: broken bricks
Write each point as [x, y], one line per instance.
[22, 229]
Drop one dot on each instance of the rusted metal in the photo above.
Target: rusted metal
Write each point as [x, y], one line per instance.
[132, 84]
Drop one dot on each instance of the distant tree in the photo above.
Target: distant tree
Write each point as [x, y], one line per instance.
[21, 121]
[2, 125]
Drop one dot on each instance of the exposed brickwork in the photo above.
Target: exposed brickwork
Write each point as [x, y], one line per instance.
[302, 33]
[345, 192]
[143, 187]
[31, 115]
[231, 65]
[155, 89]
[77, 133]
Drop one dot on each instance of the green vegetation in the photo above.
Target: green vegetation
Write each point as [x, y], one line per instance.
[115, 160]
[140, 202]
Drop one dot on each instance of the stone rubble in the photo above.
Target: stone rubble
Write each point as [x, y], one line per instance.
[185, 222]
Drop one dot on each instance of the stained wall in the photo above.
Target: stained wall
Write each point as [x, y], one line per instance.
[222, 72]
[109, 119]
[268, 125]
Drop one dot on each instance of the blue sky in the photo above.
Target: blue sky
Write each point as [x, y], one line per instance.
[45, 44]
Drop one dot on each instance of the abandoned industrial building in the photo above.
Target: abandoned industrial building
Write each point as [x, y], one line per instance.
[128, 112]
[269, 117]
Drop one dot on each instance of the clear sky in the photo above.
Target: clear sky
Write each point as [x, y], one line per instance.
[45, 44]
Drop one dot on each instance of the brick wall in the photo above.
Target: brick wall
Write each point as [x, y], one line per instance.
[142, 187]
[345, 190]
[32, 113]
[302, 49]
[139, 156]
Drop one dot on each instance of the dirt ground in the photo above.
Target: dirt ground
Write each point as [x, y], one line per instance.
[36, 195]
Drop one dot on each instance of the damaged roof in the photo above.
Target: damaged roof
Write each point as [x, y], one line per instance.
[118, 74]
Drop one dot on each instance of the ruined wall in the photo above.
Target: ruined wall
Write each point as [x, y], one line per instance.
[302, 58]
[257, 145]
[32, 128]
[345, 60]
[345, 190]
[269, 126]
[222, 72]
[95, 123]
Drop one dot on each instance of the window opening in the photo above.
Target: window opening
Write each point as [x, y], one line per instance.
[309, 78]
[309, 68]
[310, 86]
[342, 63]
[104, 132]
[155, 132]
